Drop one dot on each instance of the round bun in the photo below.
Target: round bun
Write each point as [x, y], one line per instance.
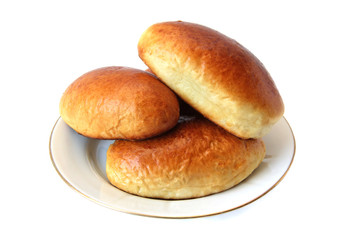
[194, 159]
[119, 103]
[215, 75]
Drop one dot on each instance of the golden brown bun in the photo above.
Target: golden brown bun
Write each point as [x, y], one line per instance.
[119, 102]
[194, 159]
[215, 75]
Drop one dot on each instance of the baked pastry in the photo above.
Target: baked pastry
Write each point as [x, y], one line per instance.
[215, 75]
[194, 159]
[119, 103]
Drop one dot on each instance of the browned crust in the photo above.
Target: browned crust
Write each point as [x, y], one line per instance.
[194, 159]
[119, 102]
[223, 64]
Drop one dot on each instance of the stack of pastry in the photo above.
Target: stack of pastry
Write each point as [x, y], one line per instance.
[188, 127]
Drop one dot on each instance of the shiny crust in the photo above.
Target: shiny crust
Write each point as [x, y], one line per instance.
[119, 102]
[214, 74]
[194, 159]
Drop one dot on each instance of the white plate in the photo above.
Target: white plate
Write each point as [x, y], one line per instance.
[81, 162]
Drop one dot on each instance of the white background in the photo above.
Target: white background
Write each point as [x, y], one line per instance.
[45, 45]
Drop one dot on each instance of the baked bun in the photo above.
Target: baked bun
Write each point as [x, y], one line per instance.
[215, 75]
[194, 159]
[119, 103]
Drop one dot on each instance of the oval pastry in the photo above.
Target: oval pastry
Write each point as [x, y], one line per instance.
[215, 75]
[194, 159]
[119, 103]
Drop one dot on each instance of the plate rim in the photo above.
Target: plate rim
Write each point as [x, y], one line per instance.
[163, 216]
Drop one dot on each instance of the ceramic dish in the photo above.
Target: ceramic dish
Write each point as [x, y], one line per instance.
[81, 162]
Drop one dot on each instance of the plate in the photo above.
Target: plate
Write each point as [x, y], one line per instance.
[81, 163]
